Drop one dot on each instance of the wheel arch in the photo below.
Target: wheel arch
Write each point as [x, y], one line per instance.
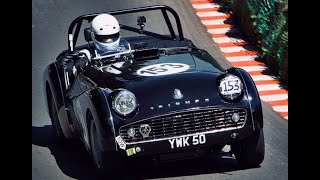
[52, 87]
[99, 112]
[253, 98]
[49, 99]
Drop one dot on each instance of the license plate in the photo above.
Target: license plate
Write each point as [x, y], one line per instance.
[187, 141]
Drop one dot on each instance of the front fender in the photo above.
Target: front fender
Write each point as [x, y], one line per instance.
[53, 92]
[252, 95]
[52, 86]
[103, 116]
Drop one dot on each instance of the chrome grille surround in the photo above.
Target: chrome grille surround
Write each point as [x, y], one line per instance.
[185, 122]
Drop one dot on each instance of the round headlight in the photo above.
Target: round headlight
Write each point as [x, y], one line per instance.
[124, 102]
[230, 87]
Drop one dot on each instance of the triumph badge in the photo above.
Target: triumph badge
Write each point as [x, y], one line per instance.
[177, 94]
[145, 130]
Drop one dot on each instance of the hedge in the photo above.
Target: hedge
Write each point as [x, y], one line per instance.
[265, 22]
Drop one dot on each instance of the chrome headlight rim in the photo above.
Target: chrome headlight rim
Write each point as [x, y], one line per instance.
[115, 102]
[236, 81]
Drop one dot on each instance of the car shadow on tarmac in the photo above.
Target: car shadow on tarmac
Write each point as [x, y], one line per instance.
[74, 161]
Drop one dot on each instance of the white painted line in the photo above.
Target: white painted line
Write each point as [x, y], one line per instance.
[268, 87]
[223, 30]
[233, 49]
[280, 108]
[227, 40]
[206, 5]
[253, 68]
[286, 117]
[275, 97]
[241, 58]
[216, 21]
[214, 13]
[262, 78]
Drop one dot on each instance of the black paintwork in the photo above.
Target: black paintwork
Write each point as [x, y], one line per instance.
[91, 91]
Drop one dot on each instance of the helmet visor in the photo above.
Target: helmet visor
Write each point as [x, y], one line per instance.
[107, 38]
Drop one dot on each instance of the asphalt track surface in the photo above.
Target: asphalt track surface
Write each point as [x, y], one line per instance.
[55, 160]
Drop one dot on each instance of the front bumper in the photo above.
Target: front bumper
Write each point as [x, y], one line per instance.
[183, 143]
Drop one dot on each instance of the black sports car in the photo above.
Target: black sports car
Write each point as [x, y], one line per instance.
[163, 99]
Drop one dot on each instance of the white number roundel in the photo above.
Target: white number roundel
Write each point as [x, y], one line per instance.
[162, 69]
[230, 85]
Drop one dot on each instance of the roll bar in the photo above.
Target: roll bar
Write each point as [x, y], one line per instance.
[72, 38]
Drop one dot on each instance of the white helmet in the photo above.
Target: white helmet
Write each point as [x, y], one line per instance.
[105, 32]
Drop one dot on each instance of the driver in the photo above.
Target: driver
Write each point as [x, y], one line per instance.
[105, 33]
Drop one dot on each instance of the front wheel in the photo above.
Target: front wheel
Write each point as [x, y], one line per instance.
[250, 151]
[106, 163]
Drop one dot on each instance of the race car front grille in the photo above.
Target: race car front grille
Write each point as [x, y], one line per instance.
[184, 123]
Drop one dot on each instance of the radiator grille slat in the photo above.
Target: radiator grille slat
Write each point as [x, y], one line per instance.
[184, 123]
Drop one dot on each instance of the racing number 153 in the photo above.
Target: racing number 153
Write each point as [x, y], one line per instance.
[162, 68]
[231, 85]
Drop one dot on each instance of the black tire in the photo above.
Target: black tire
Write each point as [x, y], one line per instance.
[55, 121]
[106, 163]
[251, 150]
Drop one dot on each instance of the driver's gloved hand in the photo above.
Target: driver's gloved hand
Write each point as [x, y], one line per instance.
[80, 62]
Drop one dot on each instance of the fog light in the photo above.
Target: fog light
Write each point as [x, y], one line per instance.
[138, 149]
[131, 132]
[235, 117]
